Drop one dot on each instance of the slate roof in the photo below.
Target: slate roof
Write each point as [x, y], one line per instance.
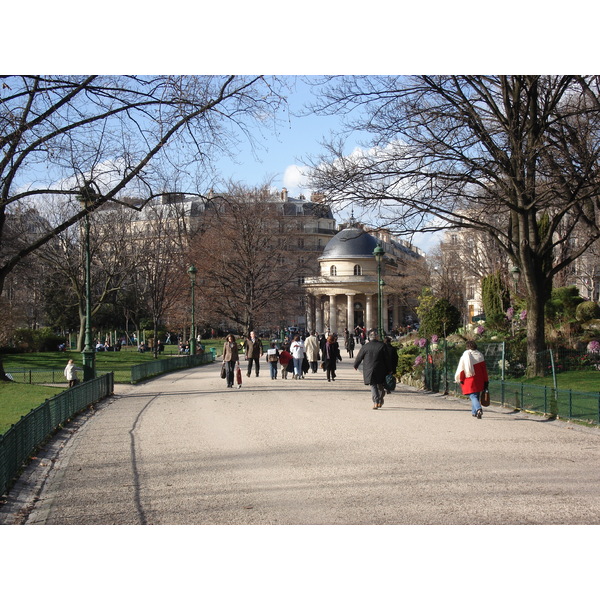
[350, 242]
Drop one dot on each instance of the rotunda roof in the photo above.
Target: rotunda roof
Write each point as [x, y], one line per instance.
[350, 242]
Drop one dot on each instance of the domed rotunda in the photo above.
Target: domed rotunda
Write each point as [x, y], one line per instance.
[344, 295]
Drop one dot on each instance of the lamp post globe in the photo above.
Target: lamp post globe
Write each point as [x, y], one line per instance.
[516, 274]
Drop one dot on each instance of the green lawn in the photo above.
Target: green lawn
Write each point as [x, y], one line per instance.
[17, 399]
[579, 381]
[119, 363]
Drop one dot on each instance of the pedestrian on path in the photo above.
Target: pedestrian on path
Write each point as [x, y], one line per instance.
[254, 350]
[231, 358]
[311, 346]
[331, 354]
[273, 359]
[377, 365]
[71, 373]
[350, 346]
[284, 360]
[472, 375]
[297, 351]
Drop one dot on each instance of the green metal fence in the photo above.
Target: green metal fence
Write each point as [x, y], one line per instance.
[166, 365]
[441, 362]
[21, 440]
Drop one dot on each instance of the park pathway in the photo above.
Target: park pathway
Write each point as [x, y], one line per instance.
[183, 449]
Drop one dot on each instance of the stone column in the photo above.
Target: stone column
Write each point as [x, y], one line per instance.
[310, 320]
[350, 312]
[319, 314]
[395, 315]
[332, 314]
[369, 312]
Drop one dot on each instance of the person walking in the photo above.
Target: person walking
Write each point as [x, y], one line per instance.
[71, 373]
[331, 354]
[376, 366]
[254, 350]
[273, 359]
[297, 352]
[231, 358]
[284, 360]
[350, 346]
[472, 375]
[311, 347]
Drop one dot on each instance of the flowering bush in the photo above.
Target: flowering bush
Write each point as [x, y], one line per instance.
[419, 360]
[594, 346]
[480, 330]
[421, 342]
[434, 339]
[523, 315]
[510, 313]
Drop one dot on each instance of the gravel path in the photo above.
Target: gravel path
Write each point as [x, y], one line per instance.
[183, 449]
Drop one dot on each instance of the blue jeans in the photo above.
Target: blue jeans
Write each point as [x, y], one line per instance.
[298, 366]
[273, 367]
[475, 404]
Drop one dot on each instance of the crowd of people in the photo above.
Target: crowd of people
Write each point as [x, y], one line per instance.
[297, 355]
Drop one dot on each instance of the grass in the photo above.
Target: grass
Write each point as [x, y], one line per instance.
[17, 399]
[578, 381]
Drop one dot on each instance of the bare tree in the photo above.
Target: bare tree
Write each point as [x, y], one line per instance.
[513, 156]
[161, 243]
[105, 137]
[253, 272]
[113, 260]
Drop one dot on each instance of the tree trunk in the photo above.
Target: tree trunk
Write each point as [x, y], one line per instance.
[536, 340]
[155, 342]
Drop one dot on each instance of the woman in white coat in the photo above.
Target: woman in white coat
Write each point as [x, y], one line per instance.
[297, 352]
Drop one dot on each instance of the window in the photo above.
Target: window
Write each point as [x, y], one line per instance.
[333, 271]
[357, 270]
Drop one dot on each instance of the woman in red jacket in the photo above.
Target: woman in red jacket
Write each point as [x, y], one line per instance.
[472, 376]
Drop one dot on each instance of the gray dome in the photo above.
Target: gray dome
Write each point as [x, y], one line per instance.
[351, 242]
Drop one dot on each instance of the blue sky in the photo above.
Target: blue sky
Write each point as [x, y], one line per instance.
[282, 156]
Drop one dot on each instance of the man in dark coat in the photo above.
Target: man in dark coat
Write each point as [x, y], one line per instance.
[254, 350]
[377, 364]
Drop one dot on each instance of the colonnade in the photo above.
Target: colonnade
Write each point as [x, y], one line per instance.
[330, 312]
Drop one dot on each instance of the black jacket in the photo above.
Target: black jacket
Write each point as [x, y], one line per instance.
[377, 363]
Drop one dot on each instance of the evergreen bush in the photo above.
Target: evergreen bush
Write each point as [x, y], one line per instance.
[586, 311]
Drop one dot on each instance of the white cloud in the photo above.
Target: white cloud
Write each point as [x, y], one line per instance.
[295, 179]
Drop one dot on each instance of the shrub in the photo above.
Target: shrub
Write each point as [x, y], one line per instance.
[37, 340]
[563, 303]
[442, 318]
[406, 359]
[495, 299]
[586, 311]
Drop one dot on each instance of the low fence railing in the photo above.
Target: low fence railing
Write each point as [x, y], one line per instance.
[21, 440]
[166, 365]
[438, 376]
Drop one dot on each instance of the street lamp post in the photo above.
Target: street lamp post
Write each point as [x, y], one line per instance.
[378, 253]
[515, 273]
[89, 354]
[192, 273]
